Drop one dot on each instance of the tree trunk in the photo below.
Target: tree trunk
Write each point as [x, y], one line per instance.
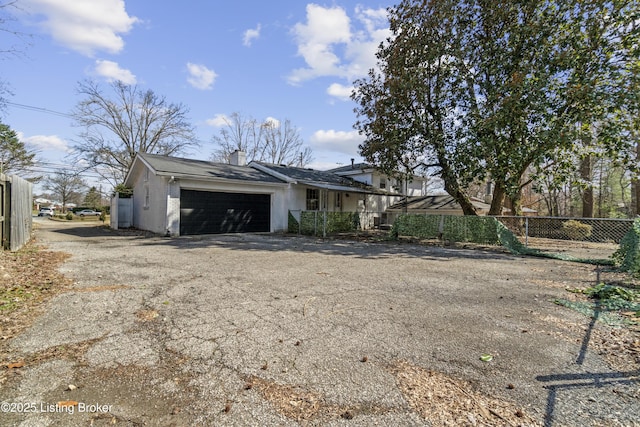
[459, 196]
[516, 205]
[634, 209]
[452, 186]
[498, 199]
[587, 194]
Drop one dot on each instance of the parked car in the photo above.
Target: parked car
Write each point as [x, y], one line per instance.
[46, 212]
[88, 212]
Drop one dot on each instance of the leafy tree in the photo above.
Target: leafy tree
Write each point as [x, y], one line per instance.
[14, 156]
[67, 186]
[489, 89]
[269, 141]
[405, 109]
[115, 129]
[93, 199]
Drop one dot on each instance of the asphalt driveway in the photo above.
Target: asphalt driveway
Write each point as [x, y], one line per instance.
[279, 330]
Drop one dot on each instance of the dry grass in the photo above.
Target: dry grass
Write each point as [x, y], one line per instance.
[28, 278]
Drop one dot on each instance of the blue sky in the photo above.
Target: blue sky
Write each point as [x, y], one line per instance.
[284, 60]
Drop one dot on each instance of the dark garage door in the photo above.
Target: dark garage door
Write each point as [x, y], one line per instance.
[208, 212]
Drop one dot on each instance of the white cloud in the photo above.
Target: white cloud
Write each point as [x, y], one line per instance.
[219, 120]
[250, 35]
[338, 141]
[339, 91]
[271, 122]
[46, 142]
[84, 26]
[200, 77]
[332, 44]
[112, 72]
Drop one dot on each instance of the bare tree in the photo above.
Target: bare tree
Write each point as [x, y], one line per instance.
[283, 144]
[67, 186]
[14, 49]
[115, 129]
[238, 133]
[269, 141]
[7, 7]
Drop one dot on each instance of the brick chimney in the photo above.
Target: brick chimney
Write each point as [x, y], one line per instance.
[238, 158]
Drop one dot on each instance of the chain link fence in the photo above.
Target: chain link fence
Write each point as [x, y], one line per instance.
[322, 223]
[578, 237]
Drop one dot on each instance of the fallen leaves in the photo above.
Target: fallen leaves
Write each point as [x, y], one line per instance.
[102, 288]
[147, 315]
[29, 277]
[442, 400]
[15, 365]
[292, 402]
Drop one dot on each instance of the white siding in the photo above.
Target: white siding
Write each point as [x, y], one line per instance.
[150, 213]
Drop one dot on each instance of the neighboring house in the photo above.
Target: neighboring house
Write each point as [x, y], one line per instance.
[177, 196]
[441, 204]
[368, 174]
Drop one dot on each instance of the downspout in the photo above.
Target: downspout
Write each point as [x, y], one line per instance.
[170, 214]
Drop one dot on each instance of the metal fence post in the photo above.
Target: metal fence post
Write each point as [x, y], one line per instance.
[526, 231]
[324, 224]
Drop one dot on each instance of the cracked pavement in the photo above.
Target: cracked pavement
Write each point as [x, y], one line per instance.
[182, 331]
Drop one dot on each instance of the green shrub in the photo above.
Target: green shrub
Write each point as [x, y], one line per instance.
[575, 230]
[316, 223]
[475, 229]
[69, 216]
[627, 257]
[293, 224]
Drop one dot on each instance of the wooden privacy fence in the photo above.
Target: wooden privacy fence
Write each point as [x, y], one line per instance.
[16, 202]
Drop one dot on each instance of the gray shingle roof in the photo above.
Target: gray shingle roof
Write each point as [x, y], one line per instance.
[316, 178]
[349, 168]
[201, 169]
[435, 202]
[309, 175]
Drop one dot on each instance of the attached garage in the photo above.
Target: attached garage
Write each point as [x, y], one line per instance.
[211, 212]
[174, 196]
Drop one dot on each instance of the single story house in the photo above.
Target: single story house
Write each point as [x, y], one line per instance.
[178, 196]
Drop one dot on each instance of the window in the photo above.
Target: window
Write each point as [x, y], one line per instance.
[338, 200]
[312, 199]
[383, 183]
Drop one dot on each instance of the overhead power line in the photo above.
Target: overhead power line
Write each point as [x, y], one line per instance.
[39, 109]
